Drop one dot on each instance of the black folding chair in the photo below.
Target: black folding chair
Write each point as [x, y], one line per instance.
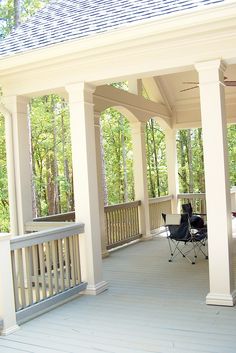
[183, 239]
[196, 219]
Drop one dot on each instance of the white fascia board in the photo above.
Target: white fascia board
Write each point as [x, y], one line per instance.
[186, 23]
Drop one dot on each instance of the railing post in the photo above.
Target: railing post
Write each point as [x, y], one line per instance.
[7, 303]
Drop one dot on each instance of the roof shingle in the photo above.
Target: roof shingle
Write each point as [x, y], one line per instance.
[65, 20]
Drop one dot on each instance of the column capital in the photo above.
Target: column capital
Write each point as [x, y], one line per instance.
[217, 64]
[15, 103]
[80, 92]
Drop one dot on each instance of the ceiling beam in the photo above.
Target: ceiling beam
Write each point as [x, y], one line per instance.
[108, 96]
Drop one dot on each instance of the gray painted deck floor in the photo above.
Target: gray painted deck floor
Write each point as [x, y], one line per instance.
[151, 306]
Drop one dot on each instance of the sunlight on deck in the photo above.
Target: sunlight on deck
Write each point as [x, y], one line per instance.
[151, 306]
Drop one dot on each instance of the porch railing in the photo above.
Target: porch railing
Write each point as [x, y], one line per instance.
[198, 201]
[122, 223]
[46, 269]
[157, 206]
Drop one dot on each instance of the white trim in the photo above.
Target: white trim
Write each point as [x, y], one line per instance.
[97, 289]
[9, 330]
[221, 299]
[165, 27]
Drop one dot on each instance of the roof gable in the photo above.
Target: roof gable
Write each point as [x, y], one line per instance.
[66, 20]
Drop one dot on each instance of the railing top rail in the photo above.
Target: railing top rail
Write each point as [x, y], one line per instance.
[122, 205]
[161, 199]
[57, 217]
[199, 195]
[23, 241]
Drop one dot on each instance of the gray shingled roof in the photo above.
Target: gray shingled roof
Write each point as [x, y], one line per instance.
[65, 20]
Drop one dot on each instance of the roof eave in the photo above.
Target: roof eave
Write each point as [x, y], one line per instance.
[170, 26]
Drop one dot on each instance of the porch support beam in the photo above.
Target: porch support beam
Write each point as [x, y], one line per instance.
[85, 183]
[108, 96]
[172, 167]
[211, 82]
[140, 176]
[18, 163]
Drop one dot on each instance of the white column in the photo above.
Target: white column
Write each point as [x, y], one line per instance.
[10, 170]
[211, 80]
[18, 161]
[85, 183]
[140, 176]
[7, 303]
[172, 167]
[97, 127]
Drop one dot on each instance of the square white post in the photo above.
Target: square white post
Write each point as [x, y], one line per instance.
[7, 302]
[85, 183]
[140, 176]
[172, 167]
[19, 167]
[211, 81]
[97, 127]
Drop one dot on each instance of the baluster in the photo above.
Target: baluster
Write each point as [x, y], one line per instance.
[42, 270]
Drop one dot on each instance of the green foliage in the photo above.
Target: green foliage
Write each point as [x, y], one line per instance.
[28, 8]
[51, 148]
[190, 161]
[117, 150]
[232, 153]
[156, 160]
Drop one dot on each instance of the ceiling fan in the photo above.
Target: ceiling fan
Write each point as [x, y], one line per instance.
[196, 84]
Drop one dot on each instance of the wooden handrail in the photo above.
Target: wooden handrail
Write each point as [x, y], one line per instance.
[122, 205]
[161, 199]
[31, 239]
[199, 195]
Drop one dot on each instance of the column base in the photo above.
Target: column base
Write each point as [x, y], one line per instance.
[105, 254]
[221, 299]
[8, 331]
[97, 289]
[147, 237]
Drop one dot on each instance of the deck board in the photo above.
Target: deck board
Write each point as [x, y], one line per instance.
[151, 306]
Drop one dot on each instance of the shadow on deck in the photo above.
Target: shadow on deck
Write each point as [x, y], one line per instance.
[151, 306]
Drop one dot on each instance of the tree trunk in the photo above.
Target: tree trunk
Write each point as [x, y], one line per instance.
[50, 185]
[57, 207]
[182, 173]
[190, 160]
[152, 187]
[65, 164]
[155, 158]
[32, 164]
[125, 183]
[104, 183]
[16, 13]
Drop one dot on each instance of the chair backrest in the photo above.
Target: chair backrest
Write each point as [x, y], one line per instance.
[178, 226]
[187, 208]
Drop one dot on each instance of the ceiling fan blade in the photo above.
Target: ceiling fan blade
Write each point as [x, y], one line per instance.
[187, 89]
[230, 83]
[190, 83]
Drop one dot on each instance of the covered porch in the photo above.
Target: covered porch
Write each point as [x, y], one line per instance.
[151, 306]
[74, 262]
